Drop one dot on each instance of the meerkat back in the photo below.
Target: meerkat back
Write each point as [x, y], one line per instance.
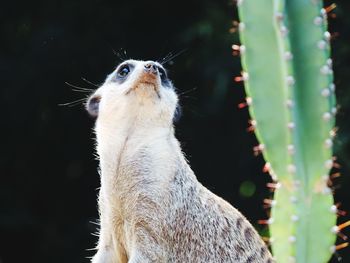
[152, 208]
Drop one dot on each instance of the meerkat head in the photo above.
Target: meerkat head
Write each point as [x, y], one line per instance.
[136, 89]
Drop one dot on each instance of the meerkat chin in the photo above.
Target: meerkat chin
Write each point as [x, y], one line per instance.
[152, 208]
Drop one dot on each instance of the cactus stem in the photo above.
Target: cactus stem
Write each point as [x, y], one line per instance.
[332, 87]
[290, 104]
[235, 47]
[335, 229]
[239, 2]
[334, 110]
[338, 247]
[332, 133]
[325, 70]
[236, 50]
[288, 55]
[258, 149]
[318, 21]
[241, 26]
[325, 93]
[291, 149]
[291, 169]
[327, 36]
[326, 190]
[292, 239]
[290, 80]
[330, 62]
[291, 125]
[329, 164]
[326, 116]
[333, 209]
[321, 44]
[284, 31]
[328, 143]
[293, 199]
[279, 16]
[243, 77]
[252, 126]
[249, 100]
[294, 218]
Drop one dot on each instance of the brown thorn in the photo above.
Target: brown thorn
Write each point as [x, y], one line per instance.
[341, 212]
[242, 105]
[336, 165]
[330, 8]
[266, 168]
[335, 175]
[344, 225]
[251, 128]
[341, 246]
[263, 222]
[342, 236]
[273, 185]
[238, 79]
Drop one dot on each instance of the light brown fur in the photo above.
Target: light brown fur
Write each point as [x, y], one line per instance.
[152, 208]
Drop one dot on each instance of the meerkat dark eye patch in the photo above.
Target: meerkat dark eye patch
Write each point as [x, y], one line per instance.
[164, 77]
[177, 114]
[92, 105]
[123, 72]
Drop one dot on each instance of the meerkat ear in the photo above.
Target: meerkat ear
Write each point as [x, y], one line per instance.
[177, 114]
[92, 105]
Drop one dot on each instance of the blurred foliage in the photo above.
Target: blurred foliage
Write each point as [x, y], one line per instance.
[49, 175]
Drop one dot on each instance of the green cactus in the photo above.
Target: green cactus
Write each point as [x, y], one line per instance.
[288, 79]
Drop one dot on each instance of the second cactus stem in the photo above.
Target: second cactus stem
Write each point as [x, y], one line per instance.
[289, 82]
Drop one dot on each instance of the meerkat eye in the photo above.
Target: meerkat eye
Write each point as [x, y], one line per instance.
[123, 71]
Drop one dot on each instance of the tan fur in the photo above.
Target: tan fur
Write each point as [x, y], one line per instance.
[152, 208]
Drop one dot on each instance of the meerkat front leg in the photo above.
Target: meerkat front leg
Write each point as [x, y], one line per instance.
[109, 249]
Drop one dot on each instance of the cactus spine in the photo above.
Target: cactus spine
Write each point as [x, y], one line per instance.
[288, 79]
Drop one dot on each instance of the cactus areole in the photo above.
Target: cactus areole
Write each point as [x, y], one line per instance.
[288, 77]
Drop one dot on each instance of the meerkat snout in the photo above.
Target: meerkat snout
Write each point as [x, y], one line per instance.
[151, 68]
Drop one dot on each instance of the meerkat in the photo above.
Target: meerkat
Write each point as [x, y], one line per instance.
[152, 207]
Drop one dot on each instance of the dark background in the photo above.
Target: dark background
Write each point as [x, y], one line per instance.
[49, 179]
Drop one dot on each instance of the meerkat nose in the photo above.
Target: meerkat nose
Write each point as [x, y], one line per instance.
[151, 68]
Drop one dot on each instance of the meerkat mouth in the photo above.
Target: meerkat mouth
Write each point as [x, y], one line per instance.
[144, 87]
